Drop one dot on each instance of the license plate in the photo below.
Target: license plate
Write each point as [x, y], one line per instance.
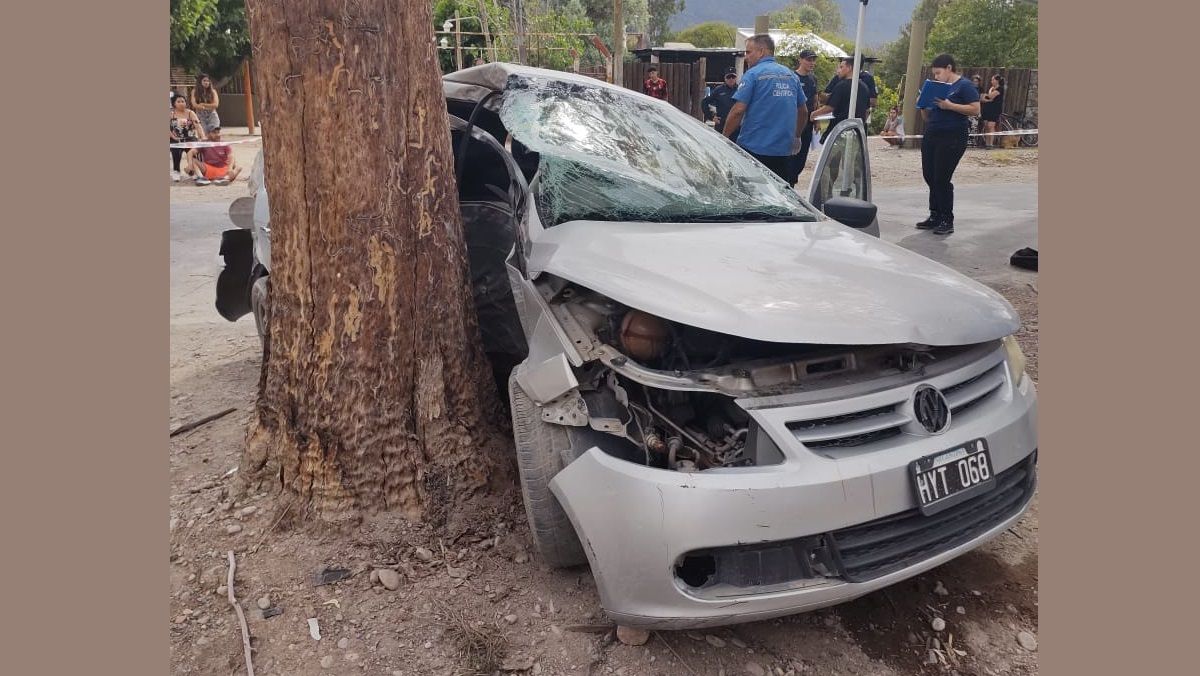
[945, 479]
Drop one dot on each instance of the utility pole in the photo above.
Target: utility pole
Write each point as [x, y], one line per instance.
[912, 77]
[862, 12]
[618, 45]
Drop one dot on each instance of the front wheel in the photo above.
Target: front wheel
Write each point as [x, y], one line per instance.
[539, 445]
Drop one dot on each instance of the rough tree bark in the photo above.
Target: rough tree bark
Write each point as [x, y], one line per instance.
[375, 393]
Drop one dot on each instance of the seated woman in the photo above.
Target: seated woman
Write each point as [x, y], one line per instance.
[213, 164]
[893, 128]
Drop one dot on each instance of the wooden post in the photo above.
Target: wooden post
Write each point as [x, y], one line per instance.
[249, 95]
[487, 32]
[762, 24]
[912, 77]
[618, 44]
[457, 42]
[519, 23]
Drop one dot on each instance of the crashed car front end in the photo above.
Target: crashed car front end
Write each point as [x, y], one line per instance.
[754, 395]
[771, 480]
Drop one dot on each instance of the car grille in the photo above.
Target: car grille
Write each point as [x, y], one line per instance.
[890, 544]
[974, 391]
[863, 552]
[858, 428]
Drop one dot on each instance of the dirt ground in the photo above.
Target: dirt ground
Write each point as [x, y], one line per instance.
[483, 601]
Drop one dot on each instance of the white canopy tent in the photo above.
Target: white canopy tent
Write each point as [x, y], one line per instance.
[790, 44]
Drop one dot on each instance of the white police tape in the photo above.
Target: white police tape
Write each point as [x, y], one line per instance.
[210, 144]
[1022, 132]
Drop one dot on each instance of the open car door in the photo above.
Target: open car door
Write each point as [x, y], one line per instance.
[841, 182]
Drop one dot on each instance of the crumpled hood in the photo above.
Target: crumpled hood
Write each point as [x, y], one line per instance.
[817, 282]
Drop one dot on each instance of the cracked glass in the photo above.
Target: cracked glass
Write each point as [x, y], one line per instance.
[610, 156]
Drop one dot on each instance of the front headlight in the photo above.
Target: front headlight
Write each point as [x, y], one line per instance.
[1015, 359]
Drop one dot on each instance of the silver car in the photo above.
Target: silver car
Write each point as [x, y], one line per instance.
[733, 403]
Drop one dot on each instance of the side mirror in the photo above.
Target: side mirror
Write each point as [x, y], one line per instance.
[849, 211]
[241, 212]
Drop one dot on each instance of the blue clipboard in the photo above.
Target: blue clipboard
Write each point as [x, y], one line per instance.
[932, 89]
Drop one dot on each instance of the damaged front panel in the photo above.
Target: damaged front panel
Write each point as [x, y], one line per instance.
[680, 398]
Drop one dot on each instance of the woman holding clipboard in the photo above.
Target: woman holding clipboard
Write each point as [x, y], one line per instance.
[947, 103]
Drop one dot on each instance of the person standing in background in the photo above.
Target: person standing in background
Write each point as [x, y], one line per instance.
[205, 101]
[654, 85]
[808, 84]
[868, 81]
[991, 107]
[946, 129]
[976, 124]
[721, 99]
[839, 100]
[769, 107]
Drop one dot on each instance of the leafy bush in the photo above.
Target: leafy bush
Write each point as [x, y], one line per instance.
[888, 97]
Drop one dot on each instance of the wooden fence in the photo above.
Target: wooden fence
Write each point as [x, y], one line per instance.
[685, 83]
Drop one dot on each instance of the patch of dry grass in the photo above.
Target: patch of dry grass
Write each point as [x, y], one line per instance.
[481, 646]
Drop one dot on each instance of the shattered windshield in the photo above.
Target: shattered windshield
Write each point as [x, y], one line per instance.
[609, 156]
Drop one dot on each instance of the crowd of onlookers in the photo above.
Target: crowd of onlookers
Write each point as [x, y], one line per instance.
[194, 119]
[772, 111]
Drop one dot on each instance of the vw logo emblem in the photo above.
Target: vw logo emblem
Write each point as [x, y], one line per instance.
[931, 409]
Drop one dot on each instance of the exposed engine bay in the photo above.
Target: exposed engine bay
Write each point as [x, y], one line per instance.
[669, 391]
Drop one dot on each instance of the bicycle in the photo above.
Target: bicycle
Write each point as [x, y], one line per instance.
[1013, 123]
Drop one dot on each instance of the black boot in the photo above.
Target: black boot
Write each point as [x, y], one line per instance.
[945, 226]
[931, 222]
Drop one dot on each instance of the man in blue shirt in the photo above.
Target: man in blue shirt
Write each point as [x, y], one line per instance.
[769, 107]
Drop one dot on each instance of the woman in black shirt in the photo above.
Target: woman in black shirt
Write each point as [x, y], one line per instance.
[992, 104]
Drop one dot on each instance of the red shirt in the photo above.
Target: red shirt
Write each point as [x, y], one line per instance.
[216, 156]
[656, 89]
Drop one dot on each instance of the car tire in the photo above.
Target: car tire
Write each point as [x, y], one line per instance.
[260, 307]
[539, 445]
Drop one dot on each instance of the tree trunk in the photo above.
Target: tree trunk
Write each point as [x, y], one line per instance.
[375, 393]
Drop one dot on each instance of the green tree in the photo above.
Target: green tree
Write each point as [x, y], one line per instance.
[563, 22]
[827, 19]
[636, 14]
[661, 12]
[708, 34]
[895, 53]
[499, 25]
[210, 36]
[986, 33]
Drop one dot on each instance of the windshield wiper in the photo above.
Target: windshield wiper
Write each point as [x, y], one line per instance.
[748, 216]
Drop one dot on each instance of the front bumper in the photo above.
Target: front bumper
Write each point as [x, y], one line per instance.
[638, 524]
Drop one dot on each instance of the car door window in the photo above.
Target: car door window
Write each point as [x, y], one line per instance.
[842, 169]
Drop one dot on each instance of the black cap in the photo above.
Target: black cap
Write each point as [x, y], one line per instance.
[808, 54]
[730, 72]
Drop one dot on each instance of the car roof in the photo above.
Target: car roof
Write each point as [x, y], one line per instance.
[472, 84]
